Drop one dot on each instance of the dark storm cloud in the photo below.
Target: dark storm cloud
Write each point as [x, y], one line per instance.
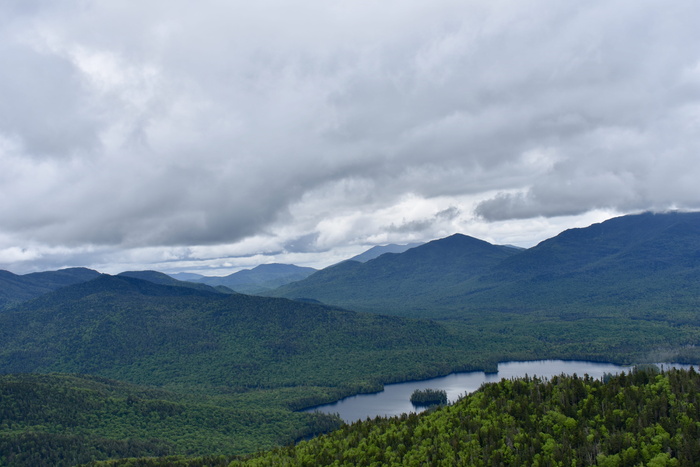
[168, 124]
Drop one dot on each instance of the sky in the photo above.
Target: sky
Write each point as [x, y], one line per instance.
[216, 135]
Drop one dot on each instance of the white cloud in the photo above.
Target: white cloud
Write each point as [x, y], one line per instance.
[184, 134]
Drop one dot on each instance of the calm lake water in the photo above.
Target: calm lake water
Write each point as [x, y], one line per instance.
[395, 398]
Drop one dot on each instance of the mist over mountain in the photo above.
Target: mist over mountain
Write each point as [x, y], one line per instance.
[260, 279]
[379, 250]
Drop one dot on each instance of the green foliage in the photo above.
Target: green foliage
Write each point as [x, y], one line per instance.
[67, 419]
[400, 283]
[232, 368]
[426, 397]
[144, 333]
[624, 290]
[640, 418]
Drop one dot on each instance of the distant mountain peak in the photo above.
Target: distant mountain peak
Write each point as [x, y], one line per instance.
[164, 279]
[260, 279]
[378, 250]
[389, 278]
[18, 288]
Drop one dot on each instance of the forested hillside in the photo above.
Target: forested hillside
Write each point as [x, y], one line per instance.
[624, 291]
[648, 263]
[137, 331]
[62, 420]
[400, 282]
[164, 279]
[250, 360]
[628, 286]
[641, 418]
[18, 288]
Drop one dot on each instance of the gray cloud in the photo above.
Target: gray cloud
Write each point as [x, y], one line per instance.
[426, 224]
[217, 123]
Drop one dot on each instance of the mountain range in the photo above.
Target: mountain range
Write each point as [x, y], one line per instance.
[638, 260]
[626, 290]
[386, 283]
[260, 279]
[231, 368]
[142, 332]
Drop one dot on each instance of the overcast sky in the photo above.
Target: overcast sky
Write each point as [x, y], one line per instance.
[213, 135]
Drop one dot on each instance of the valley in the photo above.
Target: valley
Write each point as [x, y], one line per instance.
[142, 364]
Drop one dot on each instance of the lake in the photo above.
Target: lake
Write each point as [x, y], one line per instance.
[395, 398]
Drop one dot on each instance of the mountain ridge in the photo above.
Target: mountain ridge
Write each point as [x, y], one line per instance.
[613, 263]
[16, 288]
[391, 275]
[260, 279]
[379, 250]
[146, 333]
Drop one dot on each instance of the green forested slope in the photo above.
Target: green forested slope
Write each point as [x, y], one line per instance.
[244, 362]
[16, 288]
[57, 419]
[164, 279]
[647, 265]
[624, 291]
[396, 283]
[137, 331]
[630, 261]
[627, 287]
[642, 418]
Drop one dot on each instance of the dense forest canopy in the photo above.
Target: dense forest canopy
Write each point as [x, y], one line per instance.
[644, 417]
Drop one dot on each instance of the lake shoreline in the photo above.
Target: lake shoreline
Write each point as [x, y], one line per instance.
[393, 399]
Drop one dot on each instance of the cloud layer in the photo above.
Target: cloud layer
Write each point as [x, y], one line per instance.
[187, 135]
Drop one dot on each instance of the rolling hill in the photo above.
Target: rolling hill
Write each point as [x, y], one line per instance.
[262, 357]
[64, 420]
[250, 360]
[645, 265]
[18, 288]
[142, 332]
[628, 286]
[644, 417]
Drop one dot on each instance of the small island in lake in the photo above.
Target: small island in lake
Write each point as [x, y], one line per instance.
[425, 397]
